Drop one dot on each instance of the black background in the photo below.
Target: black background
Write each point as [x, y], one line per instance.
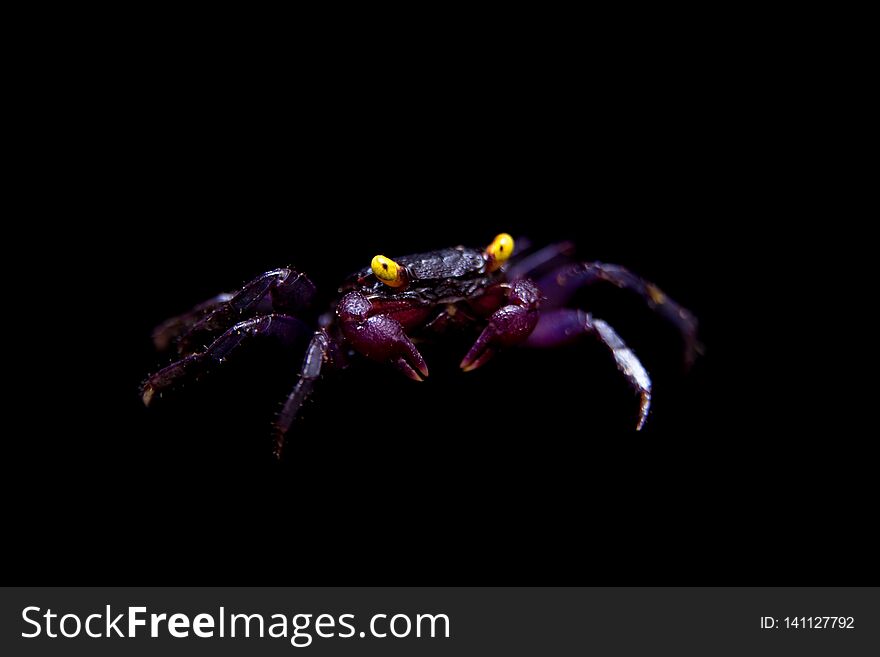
[188, 176]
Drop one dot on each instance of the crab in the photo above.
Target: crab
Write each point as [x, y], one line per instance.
[512, 297]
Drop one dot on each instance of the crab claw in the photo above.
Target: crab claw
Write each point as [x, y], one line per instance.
[410, 362]
[475, 359]
[508, 326]
[407, 370]
[382, 338]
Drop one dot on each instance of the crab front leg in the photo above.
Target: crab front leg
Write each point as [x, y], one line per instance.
[509, 325]
[322, 350]
[565, 326]
[561, 285]
[379, 337]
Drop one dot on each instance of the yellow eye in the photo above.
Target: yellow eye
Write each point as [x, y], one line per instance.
[388, 271]
[499, 250]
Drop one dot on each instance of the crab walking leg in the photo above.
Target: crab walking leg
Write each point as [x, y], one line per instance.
[171, 329]
[559, 286]
[280, 291]
[507, 326]
[283, 327]
[316, 355]
[536, 263]
[564, 326]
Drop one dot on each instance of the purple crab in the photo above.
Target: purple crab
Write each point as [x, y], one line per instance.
[511, 298]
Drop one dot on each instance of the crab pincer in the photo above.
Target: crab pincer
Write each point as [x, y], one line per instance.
[509, 325]
[379, 337]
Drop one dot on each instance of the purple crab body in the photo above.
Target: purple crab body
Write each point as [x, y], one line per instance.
[510, 300]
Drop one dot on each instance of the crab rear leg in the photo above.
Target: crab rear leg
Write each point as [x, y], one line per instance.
[282, 327]
[537, 263]
[283, 291]
[560, 285]
[171, 329]
[565, 326]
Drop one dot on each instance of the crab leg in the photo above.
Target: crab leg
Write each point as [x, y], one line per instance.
[560, 285]
[564, 326]
[171, 329]
[536, 263]
[280, 290]
[283, 327]
[316, 355]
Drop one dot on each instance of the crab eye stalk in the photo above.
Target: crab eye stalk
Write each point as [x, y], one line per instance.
[388, 271]
[499, 251]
